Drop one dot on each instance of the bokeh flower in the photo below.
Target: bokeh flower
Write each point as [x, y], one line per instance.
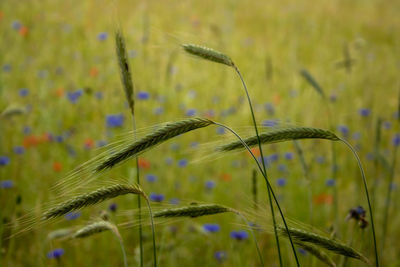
[151, 178]
[330, 182]
[396, 139]
[191, 112]
[6, 184]
[4, 160]
[19, 150]
[239, 235]
[72, 215]
[102, 36]
[220, 256]
[156, 197]
[114, 120]
[364, 112]
[281, 182]
[210, 184]
[23, 92]
[143, 95]
[182, 163]
[55, 254]
[113, 207]
[74, 96]
[211, 227]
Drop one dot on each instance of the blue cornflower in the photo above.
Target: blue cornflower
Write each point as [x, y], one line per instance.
[72, 215]
[59, 138]
[23, 92]
[360, 211]
[364, 112]
[5, 184]
[220, 256]
[191, 112]
[269, 108]
[19, 150]
[210, 184]
[302, 251]
[220, 130]
[7, 67]
[113, 207]
[101, 143]
[158, 111]
[142, 95]
[74, 96]
[99, 95]
[281, 182]
[174, 146]
[4, 160]
[239, 235]
[269, 123]
[282, 167]
[289, 155]
[396, 140]
[182, 163]
[330, 182]
[343, 129]
[194, 144]
[102, 36]
[174, 201]
[169, 161]
[320, 159]
[26, 130]
[55, 254]
[16, 25]
[114, 120]
[387, 125]
[273, 157]
[151, 178]
[156, 197]
[356, 135]
[211, 227]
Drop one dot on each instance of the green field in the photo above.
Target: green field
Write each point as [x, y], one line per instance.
[64, 111]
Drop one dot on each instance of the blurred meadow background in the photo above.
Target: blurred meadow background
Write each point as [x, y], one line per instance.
[62, 103]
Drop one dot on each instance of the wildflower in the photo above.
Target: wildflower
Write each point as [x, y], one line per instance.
[220, 256]
[144, 164]
[323, 199]
[169, 161]
[57, 166]
[74, 96]
[16, 25]
[72, 215]
[211, 227]
[289, 155]
[320, 159]
[26, 130]
[101, 143]
[190, 112]
[151, 178]
[174, 146]
[182, 163]
[99, 95]
[333, 98]
[6, 184]
[4, 160]
[23, 31]
[239, 235]
[387, 125]
[7, 67]
[156, 197]
[269, 123]
[226, 177]
[194, 144]
[356, 135]
[55, 254]
[302, 251]
[210, 184]
[364, 112]
[158, 111]
[343, 129]
[330, 182]
[142, 95]
[89, 143]
[281, 182]
[220, 130]
[59, 138]
[102, 36]
[19, 150]
[282, 167]
[396, 140]
[113, 207]
[23, 92]
[114, 120]
[273, 157]
[93, 72]
[358, 214]
[174, 201]
[269, 108]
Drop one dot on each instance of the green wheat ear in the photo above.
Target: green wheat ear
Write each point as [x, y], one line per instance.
[208, 54]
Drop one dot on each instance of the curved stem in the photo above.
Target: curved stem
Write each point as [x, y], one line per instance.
[153, 232]
[123, 250]
[265, 171]
[367, 194]
[268, 184]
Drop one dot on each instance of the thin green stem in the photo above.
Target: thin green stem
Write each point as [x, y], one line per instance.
[268, 184]
[367, 194]
[122, 248]
[388, 199]
[153, 232]
[254, 236]
[265, 171]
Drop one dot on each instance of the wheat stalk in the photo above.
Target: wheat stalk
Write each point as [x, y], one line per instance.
[161, 135]
[324, 242]
[91, 198]
[208, 54]
[318, 253]
[192, 211]
[281, 135]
